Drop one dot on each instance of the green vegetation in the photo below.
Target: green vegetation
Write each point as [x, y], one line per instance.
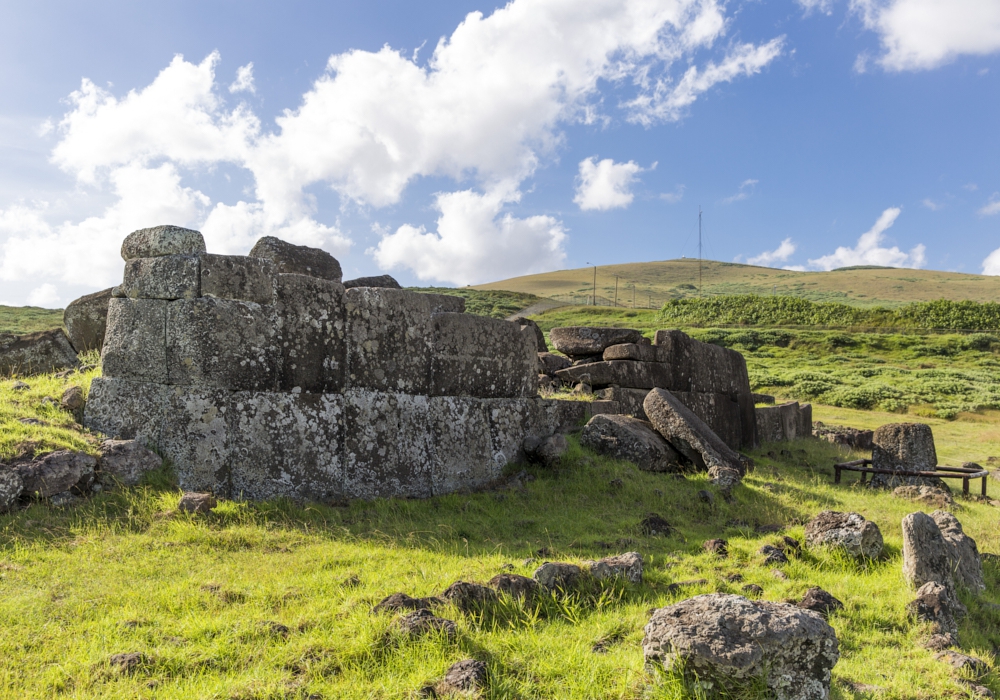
[758, 311]
[495, 303]
[29, 319]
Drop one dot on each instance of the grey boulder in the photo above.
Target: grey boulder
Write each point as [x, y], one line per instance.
[727, 639]
[546, 451]
[297, 259]
[57, 472]
[630, 439]
[906, 447]
[850, 532]
[583, 341]
[423, 622]
[966, 564]
[926, 555]
[627, 566]
[550, 363]
[557, 575]
[125, 461]
[86, 320]
[162, 240]
[385, 281]
[515, 586]
[11, 487]
[196, 502]
[937, 605]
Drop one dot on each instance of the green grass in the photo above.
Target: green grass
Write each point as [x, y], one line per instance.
[28, 319]
[498, 304]
[124, 571]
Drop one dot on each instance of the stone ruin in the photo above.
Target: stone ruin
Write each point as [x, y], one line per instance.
[261, 376]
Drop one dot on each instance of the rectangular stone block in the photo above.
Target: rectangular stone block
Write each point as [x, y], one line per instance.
[632, 351]
[446, 303]
[237, 277]
[126, 410]
[463, 455]
[720, 412]
[804, 428]
[602, 406]
[509, 422]
[482, 357]
[702, 367]
[286, 445]
[777, 423]
[388, 449]
[623, 373]
[748, 421]
[554, 416]
[222, 343]
[629, 400]
[168, 277]
[388, 340]
[196, 437]
[311, 333]
[135, 344]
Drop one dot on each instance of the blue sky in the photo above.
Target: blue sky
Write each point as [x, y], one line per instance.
[449, 148]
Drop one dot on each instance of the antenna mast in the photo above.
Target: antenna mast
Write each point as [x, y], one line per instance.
[699, 252]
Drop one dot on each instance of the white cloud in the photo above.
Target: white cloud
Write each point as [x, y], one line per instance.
[474, 241]
[869, 250]
[45, 295]
[675, 196]
[779, 254]
[824, 6]
[244, 80]
[992, 206]
[971, 187]
[606, 184]
[932, 205]
[991, 265]
[746, 189]
[924, 34]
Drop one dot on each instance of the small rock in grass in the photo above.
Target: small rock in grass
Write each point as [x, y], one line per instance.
[936, 604]
[11, 486]
[128, 663]
[779, 574]
[940, 642]
[818, 600]
[963, 662]
[858, 537]
[421, 622]
[126, 461]
[63, 499]
[464, 676]
[627, 566]
[557, 575]
[753, 589]
[653, 525]
[929, 495]
[718, 546]
[772, 555]
[195, 502]
[469, 597]
[706, 497]
[616, 484]
[20, 386]
[677, 585]
[72, 400]
[979, 691]
[734, 578]
[517, 587]
[275, 628]
[351, 582]
[791, 546]
[401, 601]
[547, 451]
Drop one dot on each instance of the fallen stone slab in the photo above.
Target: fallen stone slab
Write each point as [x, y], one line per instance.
[632, 351]
[297, 259]
[688, 434]
[721, 413]
[630, 439]
[627, 566]
[35, 353]
[726, 639]
[624, 373]
[56, 472]
[162, 240]
[582, 341]
[966, 564]
[86, 320]
[702, 366]
[850, 532]
[853, 438]
[125, 462]
[550, 363]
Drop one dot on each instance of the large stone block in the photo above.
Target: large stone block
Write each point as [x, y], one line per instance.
[385, 281]
[583, 341]
[702, 366]
[126, 410]
[388, 449]
[32, 353]
[86, 320]
[446, 303]
[630, 400]
[388, 340]
[222, 343]
[311, 333]
[237, 277]
[195, 437]
[748, 421]
[555, 416]
[628, 438]
[135, 345]
[285, 444]
[289, 258]
[463, 454]
[633, 351]
[166, 277]
[623, 373]
[720, 412]
[510, 420]
[778, 423]
[904, 447]
[162, 240]
[482, 357]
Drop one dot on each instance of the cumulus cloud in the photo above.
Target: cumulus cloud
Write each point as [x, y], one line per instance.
[824, 6]
[991, 265]
[779, 254]
[485, 110]
[924, 34]
[991, 207]
[45, 295]
[746, 189]
[606, 184]
[869, 249]
[932, 205]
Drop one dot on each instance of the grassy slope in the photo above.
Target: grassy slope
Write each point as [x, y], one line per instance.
[125, 572]
[673, 279]
[28, 319]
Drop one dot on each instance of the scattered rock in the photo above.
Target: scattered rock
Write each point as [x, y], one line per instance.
[963, 662]
[734, 578]
[966, 564]
[706, 497]
[196, 502]
[724, 478]
[753, 589]
[926, 555]
[772, 555]
[34, 353]
[779, 574]
[20, 386]
[654, 525]
[400, 601]
[421, 622]
[848, 531]
[63, 499]
[627, 566]
[929, 495]
[385, 281]
[818, 600]
[158, 241]
[11, 487]
[298, 259]
[790, 545]
[940, 642]
[73, 401]
[630, 439]
[581, 341]
[275, 629]
[128, 663]
[57, 472]
[547, 451]
[724, 638]
[719, 547]
[86, 320]
[616, 484]
[469, 597]
[517, 587]
[126, 461]
[464, 676]
[937, 604]
[557, 575]
[678, 585]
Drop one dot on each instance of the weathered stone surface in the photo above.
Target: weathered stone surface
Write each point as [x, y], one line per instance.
[481, 356]
[550, 363]
[509, 421]
[86, 320]
[848, 531]
[460, 436]
[773, 555]
[579, 341]
[464, 676]
[125, 461]
[557, 575]
[445, 303]
[423, 622]
[34, 353]
[632, 351]
[285, 444]
[805, 423]
[530, 326]
[763, 398]
[383, 281]
[167, 277]
[517, 587]
[555, 416]
[238, 277]
[162, 240]
[389, 340]
[126, 409]
[907, 447]
[926, 555]
[311, 333]
[546, 451]
[57, 472]
[852, 438]
[937, 604]
[193, 502]
[688, 434]
[627, 566]
[11, 488]
[73, 401]
[469, 597]
[388, 448]
[724, 638]
[624, 437]
[625, 373]
[221, 343]
[702, 366]
[129, 662]
[966, 565]
[135, 346]
[398, 602]
[720, 412]
[297, 259]
[630, 400]
[820, 601]
[725, 478]
[654, 525]
[195, 437]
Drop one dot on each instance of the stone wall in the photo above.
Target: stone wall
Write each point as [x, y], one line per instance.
[259, 381]
[788, 421]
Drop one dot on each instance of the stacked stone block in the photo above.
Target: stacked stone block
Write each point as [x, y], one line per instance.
[261, 377]
[788, 421]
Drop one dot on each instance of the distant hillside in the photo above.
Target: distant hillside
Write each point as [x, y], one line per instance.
[28, 319]
[498, 303]
[655, 283]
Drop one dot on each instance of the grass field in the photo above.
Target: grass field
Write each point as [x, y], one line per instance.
[658, 282]
[28, 319]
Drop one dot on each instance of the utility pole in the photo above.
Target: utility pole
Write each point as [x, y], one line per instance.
[616, 291]
[649, 301]
[699, 252]
[595, 285]
[633, 295]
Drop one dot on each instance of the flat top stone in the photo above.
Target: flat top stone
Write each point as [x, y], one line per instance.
[299, 259]
[585, 340]
[387, 281]
[162, 240]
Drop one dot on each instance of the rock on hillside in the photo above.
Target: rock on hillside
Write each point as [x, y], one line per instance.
[34, 353]
[86, 319]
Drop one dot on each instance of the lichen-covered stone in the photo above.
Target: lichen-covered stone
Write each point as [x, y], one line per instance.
[966, 564]
[720, 412]
[11, 488]
[515, 586]
[197, 503]
[126, 461]
[237, 277]
[289, 258]
[580, 341]
[480, 356]
[86, 320]
[57, 472]
[632, 351]
[311, 333]
[778, 423]
[702, 367]
[388, 340]
[445, 303]
[631, 439]
[162, 240]
[195, 437]
[126, 409]
[926, 555]
[469, 597]
[906, 447]
[423, 622]
[531, 327]
[627, 566]
[135, 346]
[937, 604]
[383, 281]
[463, 455]
[847, 531]
[167, 277]
[557, 575]
[221, 343]
[34, 353]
